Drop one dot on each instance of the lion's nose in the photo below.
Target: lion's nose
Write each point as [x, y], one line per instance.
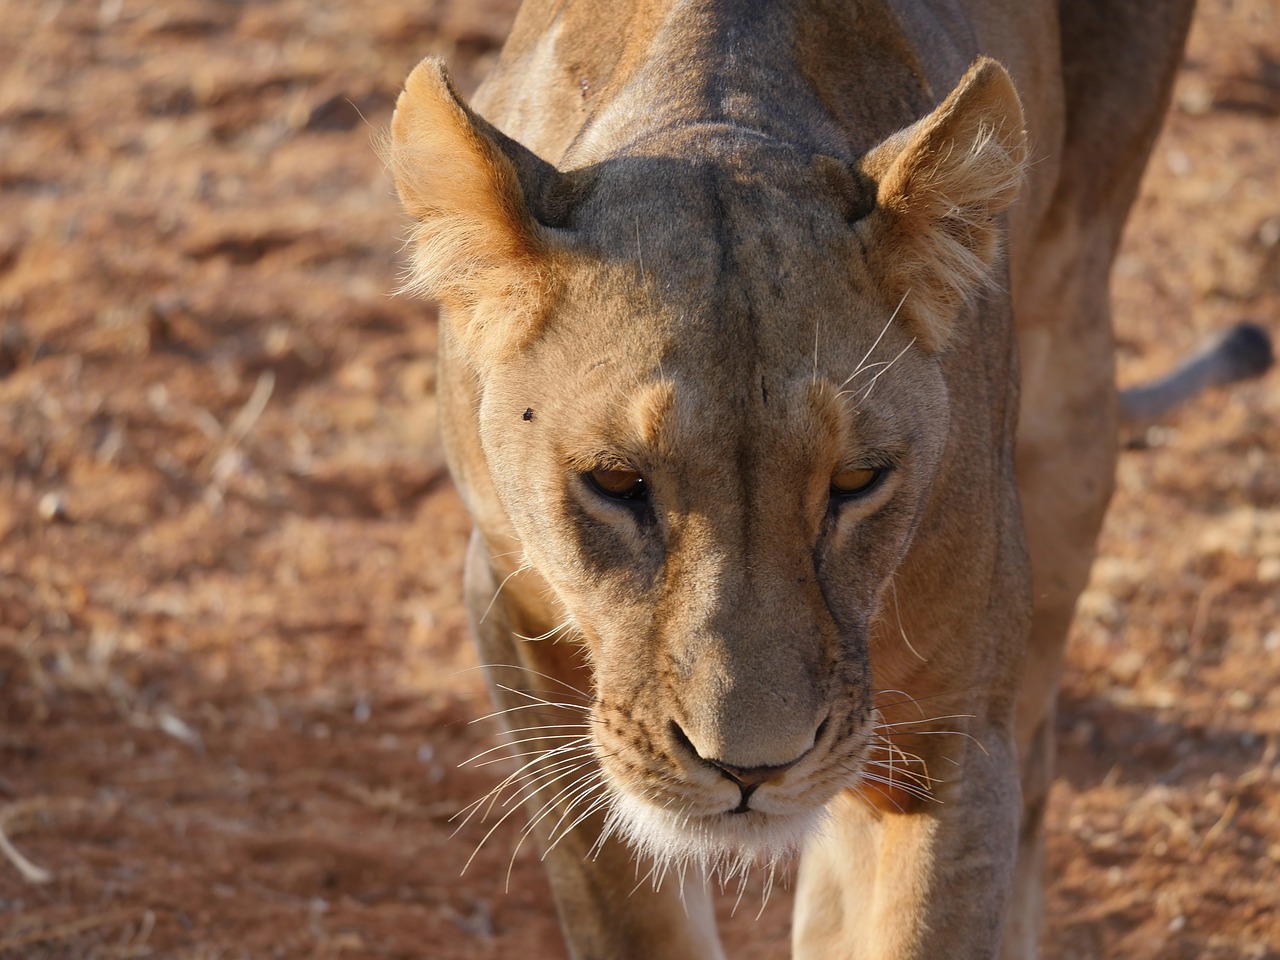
[746, 777]
[753, 776]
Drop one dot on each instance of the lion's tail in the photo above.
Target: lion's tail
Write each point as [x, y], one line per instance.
[1242, 353]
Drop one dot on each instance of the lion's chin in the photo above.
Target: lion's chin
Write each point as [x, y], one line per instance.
[724, 845]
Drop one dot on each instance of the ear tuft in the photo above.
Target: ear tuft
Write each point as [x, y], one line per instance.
[934, 237]
[476, 246]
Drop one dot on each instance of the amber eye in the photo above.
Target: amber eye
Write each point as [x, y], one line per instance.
[855, 481]
[618, 484]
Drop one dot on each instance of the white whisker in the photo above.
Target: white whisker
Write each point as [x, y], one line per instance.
[866, 391]
[520, 569]
[531, 706]
[908, 788]
[593, 807]
[568, 793]
[542, 700]
[582, 745]
[897, 613]
[938, 733]
[907, 723]
[493, 667]
[471, 761]
[768, 889]
[514, 806]
[872, 349]
[495, 794]
[545, 636]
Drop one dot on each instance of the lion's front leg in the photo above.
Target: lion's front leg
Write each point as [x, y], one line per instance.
[607, 909]
[930, 883]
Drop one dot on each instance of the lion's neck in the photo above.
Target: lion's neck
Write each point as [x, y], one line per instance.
[703, 68]
[653, 66]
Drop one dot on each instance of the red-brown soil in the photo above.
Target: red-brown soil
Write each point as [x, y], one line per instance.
[234, 672]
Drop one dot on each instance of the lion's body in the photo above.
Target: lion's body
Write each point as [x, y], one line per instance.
[724, 264]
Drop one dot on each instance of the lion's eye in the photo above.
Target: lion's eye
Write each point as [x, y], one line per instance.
[856, 481]
[618, 484]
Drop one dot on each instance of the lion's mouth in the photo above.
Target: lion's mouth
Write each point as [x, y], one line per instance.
[721, 843]
[684, 815]
[744, 802]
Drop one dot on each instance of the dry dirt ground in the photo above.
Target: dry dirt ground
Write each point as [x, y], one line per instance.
[234, 683]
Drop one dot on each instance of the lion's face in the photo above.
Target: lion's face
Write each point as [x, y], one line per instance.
[717, 474]
[712, 412]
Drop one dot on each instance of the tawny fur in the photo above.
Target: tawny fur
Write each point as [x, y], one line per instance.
[739, 249]
[942, 184]
[474, 245]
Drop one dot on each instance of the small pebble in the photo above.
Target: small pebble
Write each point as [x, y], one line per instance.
[1180, 164]
[1196, 100]
[1269, 232]
[52, 508]
[362, 711]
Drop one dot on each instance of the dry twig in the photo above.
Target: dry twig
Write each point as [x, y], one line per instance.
[64, 931]
[30, 872]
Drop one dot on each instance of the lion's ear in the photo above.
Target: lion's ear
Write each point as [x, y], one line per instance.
[941, 183]
[477, 246]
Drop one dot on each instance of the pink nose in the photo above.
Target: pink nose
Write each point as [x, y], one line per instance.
[748, 778]
[753, 776]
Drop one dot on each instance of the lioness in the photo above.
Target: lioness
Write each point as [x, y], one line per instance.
[736, 303]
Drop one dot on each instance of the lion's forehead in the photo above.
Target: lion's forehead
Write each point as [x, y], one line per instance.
[721, 269]
[736, 210]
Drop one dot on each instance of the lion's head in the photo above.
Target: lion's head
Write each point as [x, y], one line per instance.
[709, 405]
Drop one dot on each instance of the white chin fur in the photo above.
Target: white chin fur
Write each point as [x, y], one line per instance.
[726, 845]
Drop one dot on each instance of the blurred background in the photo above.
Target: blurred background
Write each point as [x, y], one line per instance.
[234, 669]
